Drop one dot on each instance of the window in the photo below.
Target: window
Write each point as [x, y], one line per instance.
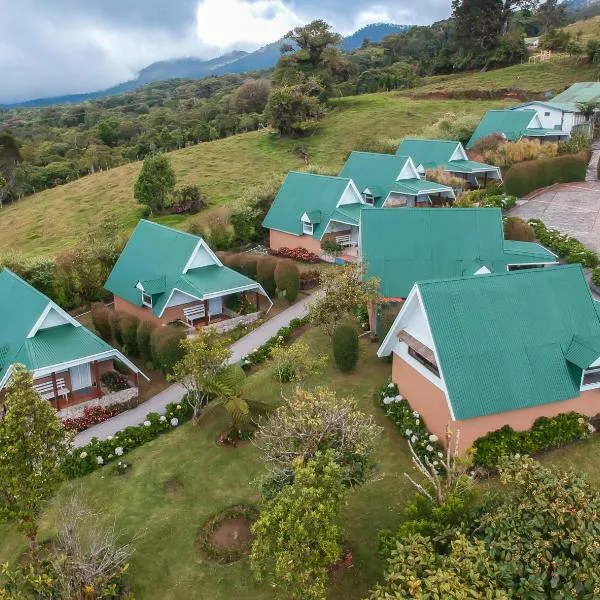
[547, 114]
[426, 363]
[591, 377]
[307, 228]
[368, 198]
[146, 299]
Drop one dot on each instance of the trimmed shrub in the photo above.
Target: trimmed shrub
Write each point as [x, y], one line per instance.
[233, 261]
[248, 264]
[144, 334]
[128, 324]
[567, 247]
[265, 273]
[525, 177]
[115, 326]
[345, 347]
[287, 279]
[166, 347]
[101, 320]
[545, 433]
[518, 230]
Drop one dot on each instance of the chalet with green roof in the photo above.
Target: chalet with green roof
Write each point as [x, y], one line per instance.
[514, 125]
[563, 111]
[66, 359]
[433, 243]
[450, 156]
[480, 352]
[389, 181]
[165, 275]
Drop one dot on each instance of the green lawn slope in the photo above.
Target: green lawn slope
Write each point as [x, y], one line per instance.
[48, 221]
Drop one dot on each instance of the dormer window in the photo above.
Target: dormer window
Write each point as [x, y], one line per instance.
[307, 228]
[147, 300]
[368, 198]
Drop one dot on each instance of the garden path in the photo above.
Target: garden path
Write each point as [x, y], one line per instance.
[175, 392]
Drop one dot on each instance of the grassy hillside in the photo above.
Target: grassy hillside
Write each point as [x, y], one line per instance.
[590, 28]
[46, 222]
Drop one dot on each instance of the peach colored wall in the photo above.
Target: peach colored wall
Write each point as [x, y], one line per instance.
[171, 314]
[278, 239]
[430, 402]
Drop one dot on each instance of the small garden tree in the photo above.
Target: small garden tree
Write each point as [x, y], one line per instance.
[318, 420]
[101, 320]
[155, 183]
[33, 443]
[344, 290]
[345, 347]
[297, 536]
[287, 279]
[296, 362]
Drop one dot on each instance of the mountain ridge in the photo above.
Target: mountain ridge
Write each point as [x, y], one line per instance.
[237, 61]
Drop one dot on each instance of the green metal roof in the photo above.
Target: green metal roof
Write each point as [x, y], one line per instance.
[583, 352]
[541, 132]
[304, 193]
[314, 216]
[377, 172]
[503, 340]
[468, 166]
[583, 91]
[564, 106]
[21, 307]
[527, 253]
[510, 123]
[157, 255]
[401, 246]
[428, 153]
[414, 187]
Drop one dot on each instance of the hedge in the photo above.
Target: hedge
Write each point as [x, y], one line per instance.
[144, 335]
[567, 247]
[98, 453]
[101, 320]
[129, 325]
[287, 279]
[345, 347]
[518, 230]
[544, 434]
[165, 343]
[265, 273]
[531, 175]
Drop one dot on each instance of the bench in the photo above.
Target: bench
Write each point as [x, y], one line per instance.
[343, 240]
[46, 390]
[193, 313]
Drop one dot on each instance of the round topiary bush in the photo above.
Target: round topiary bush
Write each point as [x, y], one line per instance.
[287, 279]
[518, 230]
[226, 537]
[345, 347]
[265, 273]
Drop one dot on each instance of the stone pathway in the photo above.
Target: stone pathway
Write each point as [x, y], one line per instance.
[175, 392]
[592, 170]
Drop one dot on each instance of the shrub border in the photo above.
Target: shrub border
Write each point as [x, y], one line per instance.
[204, 543]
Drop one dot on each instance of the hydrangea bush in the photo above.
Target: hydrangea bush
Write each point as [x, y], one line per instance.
[263, 352]
[425, 444]
[97, 453]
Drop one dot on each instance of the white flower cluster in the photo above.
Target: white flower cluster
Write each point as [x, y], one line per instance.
[119, 451]
[147, 423]
[390, 399]
[174, 422]
[99, 460]
[162, 418]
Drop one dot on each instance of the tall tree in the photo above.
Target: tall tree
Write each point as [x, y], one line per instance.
[155, 183]
[10, 157]
[312, 40]
[33, 443]
[551, 14]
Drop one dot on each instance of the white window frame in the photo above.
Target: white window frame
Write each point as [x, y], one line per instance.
[144, 301]
[307, 228]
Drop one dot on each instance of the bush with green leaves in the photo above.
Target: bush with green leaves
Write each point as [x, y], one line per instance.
[101, 320]
[567, 247]
[297, 536]
[518, 230]
[578, 142]
[114, 381]
[544, 434]
[248, 264]
[265, 273]
[144, 337]
[115, 326]
[596, 276]
[97, 453]
[166, 347]
[525, 177]
[155, 184]
[287, 279]
[129, 326]
[345, 347]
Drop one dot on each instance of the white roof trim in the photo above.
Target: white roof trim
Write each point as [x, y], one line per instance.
[7, 375]
[201, 244]
[304, 218]
[461, 152]
[139, 286]
[171, 295]
[52, 306]
[351, 185]
[338, 221]
[411, 166]
[383, 349]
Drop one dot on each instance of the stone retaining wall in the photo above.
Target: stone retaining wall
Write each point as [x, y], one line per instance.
[119, 397]
[229, 324]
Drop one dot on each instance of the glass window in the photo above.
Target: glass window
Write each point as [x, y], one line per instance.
[146, 299]
[546, 114]
[426, 363]
[307, 228]
[591, 377]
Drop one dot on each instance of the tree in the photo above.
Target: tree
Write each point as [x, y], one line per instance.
[344, 290]
[297, 536]
[155, 183]
[33, 443]
[318, 420]
[296, 362]
[251, 96]
[10, 157]
[291, 111]
[345, 347]
[312, 40]
[551, 14]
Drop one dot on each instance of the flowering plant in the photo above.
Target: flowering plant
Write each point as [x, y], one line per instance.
[92, 415]
[299, 253]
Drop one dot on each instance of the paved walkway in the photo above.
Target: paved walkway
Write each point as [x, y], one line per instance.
[592, 170]
[572, 208]
[175, 392]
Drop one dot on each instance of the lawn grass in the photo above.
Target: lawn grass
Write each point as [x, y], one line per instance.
[165, 565]
[50, 220]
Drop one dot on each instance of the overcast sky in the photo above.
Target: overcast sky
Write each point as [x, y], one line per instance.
[52, 47]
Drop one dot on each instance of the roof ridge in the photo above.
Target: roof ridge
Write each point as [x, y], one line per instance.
[178, 231]
[318, 175]
[418, 139]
